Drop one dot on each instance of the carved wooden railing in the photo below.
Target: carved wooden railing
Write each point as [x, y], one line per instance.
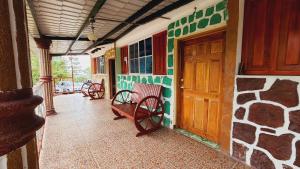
[40, 110]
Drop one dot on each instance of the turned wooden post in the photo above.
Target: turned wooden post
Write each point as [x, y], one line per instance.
[46, 74]
[18, 121]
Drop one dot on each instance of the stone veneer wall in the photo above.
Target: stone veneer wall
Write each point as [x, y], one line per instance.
[201, 19]
[266, 121]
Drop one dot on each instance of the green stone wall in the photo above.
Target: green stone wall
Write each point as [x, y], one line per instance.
[201, 19]
[184, 26]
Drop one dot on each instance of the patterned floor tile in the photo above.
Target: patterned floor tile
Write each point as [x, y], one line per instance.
[84, 135]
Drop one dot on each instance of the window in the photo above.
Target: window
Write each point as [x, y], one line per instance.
[141, 56]
[159, 53]
[134, 59]
[271, 43]
[124, 60]
[100, 65]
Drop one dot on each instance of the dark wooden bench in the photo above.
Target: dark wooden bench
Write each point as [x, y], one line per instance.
[143, 105]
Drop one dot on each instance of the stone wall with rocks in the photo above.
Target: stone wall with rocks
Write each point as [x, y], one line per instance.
[266, 121]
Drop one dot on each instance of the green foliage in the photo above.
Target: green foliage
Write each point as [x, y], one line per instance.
[35, 68]
[80, 78]
[86, 75]
[59, 69]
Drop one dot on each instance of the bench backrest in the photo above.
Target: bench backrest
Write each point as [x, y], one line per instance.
[143, 90]
[99, 87]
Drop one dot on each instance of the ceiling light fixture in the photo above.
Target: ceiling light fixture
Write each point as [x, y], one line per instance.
[91, 36]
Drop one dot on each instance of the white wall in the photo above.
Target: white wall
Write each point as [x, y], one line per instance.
[101, 52]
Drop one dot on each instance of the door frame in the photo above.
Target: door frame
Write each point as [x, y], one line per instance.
[110, 76]
[177, 70]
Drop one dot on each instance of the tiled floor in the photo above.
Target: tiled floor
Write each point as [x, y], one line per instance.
[84, 135]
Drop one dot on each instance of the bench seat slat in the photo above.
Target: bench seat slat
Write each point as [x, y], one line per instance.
[127, 110]
[145, 100]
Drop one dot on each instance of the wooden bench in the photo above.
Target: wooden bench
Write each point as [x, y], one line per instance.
[143, 105]
[85, 87]
[94, 90]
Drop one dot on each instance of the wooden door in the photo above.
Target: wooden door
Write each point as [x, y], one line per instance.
[112, 78]
[201, 88]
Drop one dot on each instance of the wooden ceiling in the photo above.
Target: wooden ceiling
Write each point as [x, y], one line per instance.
[66, 22]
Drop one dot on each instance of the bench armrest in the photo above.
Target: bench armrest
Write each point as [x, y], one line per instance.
[152, 100]
[121, 93]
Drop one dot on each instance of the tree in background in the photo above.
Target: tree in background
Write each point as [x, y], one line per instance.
[84, 75]
[59, 69]
[35, 68]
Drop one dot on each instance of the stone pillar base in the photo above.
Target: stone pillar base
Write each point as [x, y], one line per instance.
[51, 112]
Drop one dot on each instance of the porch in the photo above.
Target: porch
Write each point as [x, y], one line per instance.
[228, 72]
[84, 135]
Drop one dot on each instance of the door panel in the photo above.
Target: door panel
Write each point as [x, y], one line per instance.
[202, 67]
[187, 110]
[214, 76]
[212, 126]
[201, 76]
[188, 71]
[200, 115]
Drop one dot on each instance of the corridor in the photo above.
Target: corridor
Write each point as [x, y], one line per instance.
[84, 135]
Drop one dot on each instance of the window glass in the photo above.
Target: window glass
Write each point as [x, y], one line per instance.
[136, 50]
[136, 64]
[131, 51]
[100, 64]
[131, 65]
[149, 64]
[142, 48]
[133, 55]
[141, 56]
[142, 65]
[148, 46]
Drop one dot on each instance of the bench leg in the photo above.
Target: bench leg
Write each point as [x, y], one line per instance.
[141, 134]
[119, 117]
[146, 132]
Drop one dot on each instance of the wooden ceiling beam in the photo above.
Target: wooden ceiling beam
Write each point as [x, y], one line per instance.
[63, 54]
[65, 38]
[131, 19]
[155, 15]
[93, 13]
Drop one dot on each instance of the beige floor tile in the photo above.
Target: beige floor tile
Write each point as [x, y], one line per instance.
[83, 135]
